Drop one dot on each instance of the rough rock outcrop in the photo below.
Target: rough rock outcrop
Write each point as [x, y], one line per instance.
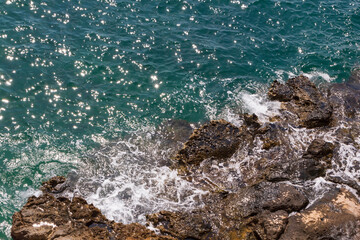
[314, 163]
[47, 217]
[261, 209]
[300, 96]
[335, 216]
[218, 139]
[316, 159]
[54, 185]
[345, 97]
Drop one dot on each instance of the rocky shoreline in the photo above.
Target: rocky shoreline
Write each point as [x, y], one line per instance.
[275, 197]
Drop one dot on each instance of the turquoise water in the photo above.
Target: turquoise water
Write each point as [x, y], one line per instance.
[76, 74]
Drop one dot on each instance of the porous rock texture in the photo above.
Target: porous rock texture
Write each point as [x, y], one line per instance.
[300, 96]
[218, 139]
[235, 214]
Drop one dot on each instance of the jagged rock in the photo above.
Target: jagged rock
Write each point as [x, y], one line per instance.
[54, 185]
[47, 217]
[319, 149]
[264, 196]
[316, 159]
[280, 92]
[218, 139]
[300, 96]
[182, 225]
[270, 134]
[252, 121]
[313, 164]
[271, 225]
[335, 216]
[261, 209]
[345, 97]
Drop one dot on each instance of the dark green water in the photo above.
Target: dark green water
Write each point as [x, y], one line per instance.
[77, 74]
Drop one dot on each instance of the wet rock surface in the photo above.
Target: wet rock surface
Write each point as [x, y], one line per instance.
[48, 217]
[260, 209]
[55, 185]
[286, 178]
[345, 97]
[218, 139]
[301, 97]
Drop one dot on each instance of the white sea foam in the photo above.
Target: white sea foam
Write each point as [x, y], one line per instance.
[37, 225]
[315, 76]
[282, 75]
[263, 108]
[125, 181]
[240, 101]
[130, 195]
[30, 192]
[318, 74]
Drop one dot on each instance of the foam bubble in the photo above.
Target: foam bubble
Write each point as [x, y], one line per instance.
[314, 76]
[126, 181]
[317, 74]
[30, 192]
[257, 104]
[37, 225]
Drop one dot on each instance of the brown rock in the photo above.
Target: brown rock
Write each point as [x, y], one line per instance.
[251, 121]
[182, 225]
[259, 210]
[264, 196]
[335, 216]
[280, 92]
[47, 217]
[54, 185]
[271, 225]
[318, 148]
[218, 139]
[315, 160]
[300, 96]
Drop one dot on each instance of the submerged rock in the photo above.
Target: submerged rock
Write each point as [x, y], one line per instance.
[173, 133]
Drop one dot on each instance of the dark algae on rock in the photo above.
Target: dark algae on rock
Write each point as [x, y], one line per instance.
[261, 182]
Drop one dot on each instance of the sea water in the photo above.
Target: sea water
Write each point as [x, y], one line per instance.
[84, 86]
